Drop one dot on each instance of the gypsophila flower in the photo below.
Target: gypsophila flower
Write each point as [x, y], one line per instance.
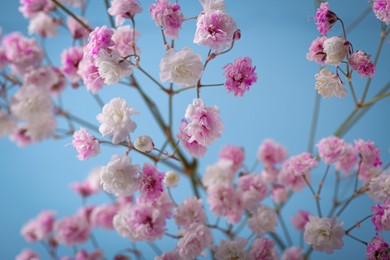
[112, 67]
[263, 219]
[271, 153]
[144, 144]
[379, 187]
[270, 175]
[316, 51]
[43, 25]
[97, 254]
[119, 176]
[369, 153]
[194, 240]
[210, 5]
[252, 190]
[90, 75]
[70, 59]
[124, 38]
[347, 163]
[99, 39]
[224, 201]
[360, 61]
[168, 256]
[168, 16]
[279, 193]
[324, 234]
[102, 216]
[240, 76]
[77, 30]
[122, 9]
[30, 8]
[332, 149]
[234, 249]
[27, 254]
[164, 204]
[233, 153]
[72, 230]
[219, 173]
[329, 84]
[181, 67]
[190, 211]
[378, 249]
[115, 120]
[300, 219]
[381, 217]
[293, 253]
[40, 227]
[171, 179]
[85, 144]
[8, 124]
[325, 18]
[336, 49]
[193, 147]
[381, 9]
[150, 183]
[263, 249]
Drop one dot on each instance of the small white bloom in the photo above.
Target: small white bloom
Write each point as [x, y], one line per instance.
[144, 144]
[232, 250]
[115, 120]
[263, 219]
[112, 67]
[210, 5]
[324, 234]
[43, 24]
[171, 179]
[183, 68]
[336, 48]
[119, 176]
[219, 173]
[7, 124]
[41, 127]
[329, 84]
[379, 187]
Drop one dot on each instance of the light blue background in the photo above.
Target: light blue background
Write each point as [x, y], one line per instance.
[276, 35]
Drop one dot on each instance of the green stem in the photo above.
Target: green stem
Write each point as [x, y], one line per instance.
[314, 122]
[109, 16]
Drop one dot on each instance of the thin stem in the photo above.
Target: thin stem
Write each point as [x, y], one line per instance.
[343, 27]
[285, 230]
[172, 236]
[278, 241]
[109, 16]
[314, 122]
[357, 224]
[94, 241]
[150, 77]
[357, 239]
[155, 248]
[170, 106]
[164, 39]
[200, 86]
[98, 100]
[66, 10]
[372, 101]
[340, 131]
[358, 19]
[314, 195]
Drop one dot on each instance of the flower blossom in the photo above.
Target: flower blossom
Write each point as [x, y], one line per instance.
[325, 18]
[271, 153]
[210, 5]
[99, 39]
[90, 186]
[381, 9]
[360, 61]
[378, 249]
[103, 215]
[381, 217]
[182, 67]
[240, 76]
[193, 147]
[219, 173]
[90, 75]
[150, 183]
[279, 193]
[369, 153]
[27, 254]
[347, 163]
[168, 16]
[7, 124]
[234, 154]
[112, 67]
[252, 190]
[329, 84]
[263, 248]
[70, 59]
[336, 49]
[379, 187]
[72, 230]
[316, 51]
[171, 179]
[43, 25]
[144, 144]
[194, 240]
[190, 211]
[119, 176]
[85, 144]
[124, 38]
[115, 120]
[77, 30]
[332, 149]
[293, 253]
[40, 227]
[122, 9]
[263, 219]
[324, 234]
[300, 219]
[234, 249]
[30, 8]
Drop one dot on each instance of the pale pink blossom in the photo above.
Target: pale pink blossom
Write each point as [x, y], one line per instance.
[99, 39]
[112, 67]
[332, 149]
[300, 219]
[348, 162]
[293, 253]
[124, 38]
[171, 179]
[77, 30]
[316, 51]
[271, 153]
[144, 144]
[324, 234]
[190, 211]
[325, 18]
[379, 187]
[279, 193]
[72, 230]
[94, 255]
[40, 227]
[183, 67]
[85, 144]
[252, 190]
[270, 175]
[219, 173]
[329, 84]
[120, 176]
[168, 16]
[174, 255]
[233, 153]
[122, 9]
[150, 183]
[103, 215]
[27, 254]
[210, 5]
[90, 75]
[20, 138]
[225, 202]
[8, 124]
[378, 249]
[263, 219]
[360, 61]
[43, 25]
[84, 189]
[193, 147]
[215, 29]
[240, 76]
[336, 49]
[30, 8]
[381, 216]
[41, 128]
[205, 124]
[121, 225]
[369, 153]
[195, 239]
[115, 120]
[263, 249]
[164, 204]
[381, 9]
[234, 249]
[366, 172]
[70, 59]
[40, 78]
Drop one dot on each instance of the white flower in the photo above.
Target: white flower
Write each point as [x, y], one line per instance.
[144, 144]
[115, 120]
[43, 24]
[30, 103]
[7, 124]
[329, 84]
[112, 67]
[379, 187]
[119, 176]
[210, 5]
[121, 225]
[171, 179]
[219, 173]
[232, 250]
[263, 219]
[41, 128]
[324, 234]
[336, 48]
[183, 68]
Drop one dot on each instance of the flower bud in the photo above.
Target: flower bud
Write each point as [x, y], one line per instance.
[171, 179]
[144, 144]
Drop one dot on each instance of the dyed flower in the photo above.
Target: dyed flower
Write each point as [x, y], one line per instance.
[234, 249]
[369, 153]
[263, 249]
[164, 204]
[90, 75]
[168, 16]
[43, 25]
[193, 147]
[379, 187]
[324, 234]
[381, 9]
[122, 9]
[332, 149]
[263, 219]
[279, 193]
[20, 138]
[360, 61]
[150, 183]
[94, 255]
[182, 67]
[3, 58]
[77, 30]
[27, 254]
[271, 153]
[124, 38]
[7, 124]
[316, 51]
[70, 59]
[219, 173]
[325, 18]
[168, 256]
[336, 49]
[171, 179]
[190, 211]
[119, 176]
[240, 76]
[252, 190]
[225, 202]
[234, 154]
[215, 29]
[115, 120]
[270, 175]
[210, 5]
[347, 163]
[103, 215]
[194, 240]
[99, 39]
[85, 144]
[329, 84]
[72, 230]
[41, 129]
[40, 227]
[381, 217]
[300, 219]
[293, 253]
[144, 144]
[378, 249]
[112, 67]
[30, 8]
[205, 125]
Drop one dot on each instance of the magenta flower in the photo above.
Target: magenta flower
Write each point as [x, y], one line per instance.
[99, 38]
[190, 211]
[102, 216]
[381, 217]
[72, 230]
[40, 227]
[76, 29]
[370, 154]
[27, 254]
[168, 16]
[193, 147]
[150, 183]
[122, 9]
[240, 76]
[85, 144]
[325, 18]
[30, 8]
[360, 61]
[300, 219]
[332, 149]
[252, 190]
[378, 249]
[381, 9]
[316, 51]
[70, 59]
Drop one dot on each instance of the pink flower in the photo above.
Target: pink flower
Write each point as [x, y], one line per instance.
[215, 29]
[240, 76]
[124, 38]
[3, 58]
[27, 254]
[150, 183]
[316, 51]
[194, 240]
[224, 201]
[300, 219]
[325, 18]
[234, 249]
[379, 187]
[263, 219]
[233, 153]
[190, 211]
[329, 84]
[219, 173]
[30, 8]
[279, 193]
[360, 61]
[263, 249]
[76, 29]
[293, 253]
[164, 204]
[369, 153]
[347, 163]
[381, 9]
[193, 147]
[168, 16]
[381, 217]
[7, 124]
[20, 137]
[124, 9]
[332, 149]
[168, 256]
[94, 255]
[103, 215]
[40, 227]
[205, 125]
[43, 25]
[70, 59]
[324, 234]
[72, 230]
[100, 38]
[378, 249]
[252, 190]
[85, 144]
[270, 175]
[271, 153]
